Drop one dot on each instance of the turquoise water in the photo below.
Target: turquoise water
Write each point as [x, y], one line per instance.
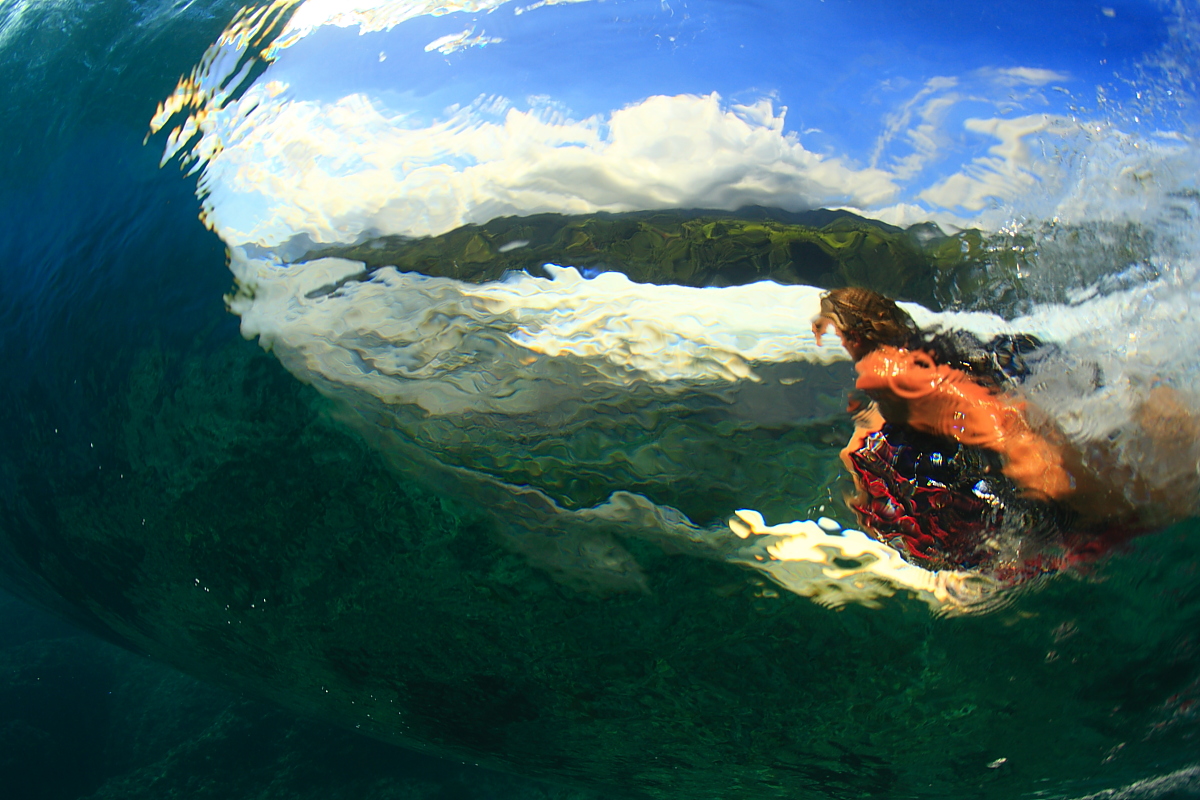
[420, 400]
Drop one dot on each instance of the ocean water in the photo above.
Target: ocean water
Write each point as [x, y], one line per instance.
[84, 718]
[443, 373]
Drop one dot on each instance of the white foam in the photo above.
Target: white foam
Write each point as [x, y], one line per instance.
[409, 326]
[404, 337]
[837, 567]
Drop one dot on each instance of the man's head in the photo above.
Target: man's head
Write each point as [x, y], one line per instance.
[865, 320]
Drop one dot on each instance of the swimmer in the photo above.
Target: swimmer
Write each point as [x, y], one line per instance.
[902, 372]
[953, 467]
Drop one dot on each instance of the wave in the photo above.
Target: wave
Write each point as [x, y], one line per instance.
[641, 405]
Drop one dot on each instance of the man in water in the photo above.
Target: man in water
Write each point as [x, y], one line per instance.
[950, 469]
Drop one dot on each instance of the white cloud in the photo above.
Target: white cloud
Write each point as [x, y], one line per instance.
[902, 215]
[377, 15]
[1027, 76]
[1009, 170]
[453, 42]
[898, 122]
[920, 123]
[334, 171]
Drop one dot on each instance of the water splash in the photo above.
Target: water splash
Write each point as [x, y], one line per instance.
[836, 566]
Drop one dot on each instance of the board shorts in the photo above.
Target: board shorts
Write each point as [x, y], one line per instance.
[944, 505]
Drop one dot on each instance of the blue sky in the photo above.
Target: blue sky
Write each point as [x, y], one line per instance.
[910, 111]
[838, 65]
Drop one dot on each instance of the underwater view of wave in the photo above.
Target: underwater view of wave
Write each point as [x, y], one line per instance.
[464, 373]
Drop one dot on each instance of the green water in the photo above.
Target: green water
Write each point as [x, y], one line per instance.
[233, 527]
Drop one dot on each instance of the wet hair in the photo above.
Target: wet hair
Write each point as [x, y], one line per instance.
[869, 320]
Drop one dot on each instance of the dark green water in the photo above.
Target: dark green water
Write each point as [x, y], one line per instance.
[80, 717]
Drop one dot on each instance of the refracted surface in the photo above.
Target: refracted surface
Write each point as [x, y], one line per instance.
[281, 555]
[532, 457]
